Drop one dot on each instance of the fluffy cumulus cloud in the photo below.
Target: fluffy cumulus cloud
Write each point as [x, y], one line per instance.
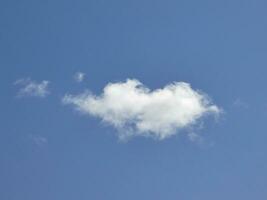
[32, 88]
[79, 76]
[134, 110]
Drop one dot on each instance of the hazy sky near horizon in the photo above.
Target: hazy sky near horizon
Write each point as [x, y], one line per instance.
[133, 100]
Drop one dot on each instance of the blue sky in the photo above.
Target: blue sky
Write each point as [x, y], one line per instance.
[49, 150]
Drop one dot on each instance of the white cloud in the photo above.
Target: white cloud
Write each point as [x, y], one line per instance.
[38, 140]
[194, 137]
[79, 76]
[32, 88]
[239, 103]
[135, 110]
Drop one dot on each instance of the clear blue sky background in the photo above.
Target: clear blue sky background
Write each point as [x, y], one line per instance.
[219, 47]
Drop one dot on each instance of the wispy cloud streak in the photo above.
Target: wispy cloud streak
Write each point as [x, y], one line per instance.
[32, 88]
[79, 76]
